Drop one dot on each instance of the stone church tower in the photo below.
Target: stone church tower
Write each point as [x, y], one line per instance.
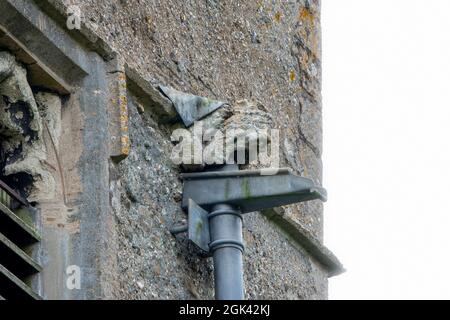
[89, 189]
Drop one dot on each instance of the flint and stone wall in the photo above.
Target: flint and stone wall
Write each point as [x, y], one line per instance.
[267, 52]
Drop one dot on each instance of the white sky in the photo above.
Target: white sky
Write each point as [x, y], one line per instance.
[386, 106]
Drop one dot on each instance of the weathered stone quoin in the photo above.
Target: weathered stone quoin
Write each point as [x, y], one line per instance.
[88, 119]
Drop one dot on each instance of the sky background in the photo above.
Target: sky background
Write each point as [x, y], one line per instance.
[386, 108]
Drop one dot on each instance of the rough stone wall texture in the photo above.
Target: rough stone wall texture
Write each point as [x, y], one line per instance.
[155, 265]
[267, 51]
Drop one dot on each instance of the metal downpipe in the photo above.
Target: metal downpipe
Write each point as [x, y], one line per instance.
[225, 224]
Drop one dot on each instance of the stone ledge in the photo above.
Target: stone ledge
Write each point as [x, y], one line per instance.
[38, 73]
[303, 238]
[58, 12]
[149, 94]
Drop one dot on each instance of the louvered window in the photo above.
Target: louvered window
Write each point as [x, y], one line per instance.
[17, 237]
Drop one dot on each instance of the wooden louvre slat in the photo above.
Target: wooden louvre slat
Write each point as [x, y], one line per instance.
[12, 288]
[15, 229]
[16, 266]
[13, 194]
[5, 198]
[16, 260]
